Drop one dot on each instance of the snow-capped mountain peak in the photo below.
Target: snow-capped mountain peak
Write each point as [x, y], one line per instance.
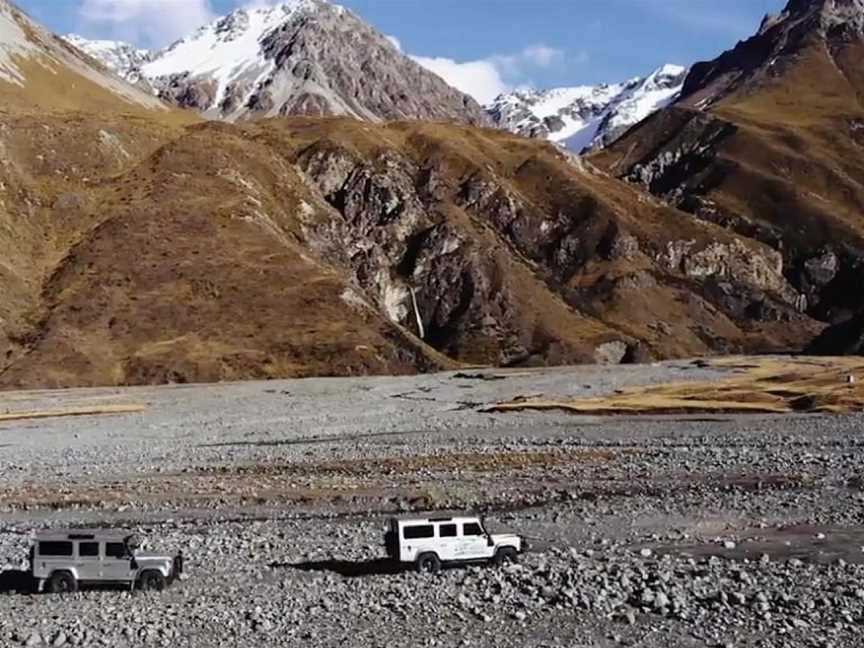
[297, 57]
[583, 117]
[119, 57]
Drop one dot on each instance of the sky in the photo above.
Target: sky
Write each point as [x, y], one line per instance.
[484, 47]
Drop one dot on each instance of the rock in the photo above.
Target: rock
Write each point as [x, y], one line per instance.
[611, 353]
[822, 269]
[661, 601]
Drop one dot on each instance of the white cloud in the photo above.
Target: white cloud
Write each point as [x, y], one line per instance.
[480, 79]
[151, 23]
[485, 79]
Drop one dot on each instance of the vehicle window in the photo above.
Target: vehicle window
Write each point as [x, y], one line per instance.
[472, 529]
[447, 530]
[419, 531]
[115, 550]
[55, 548]
[88, 549]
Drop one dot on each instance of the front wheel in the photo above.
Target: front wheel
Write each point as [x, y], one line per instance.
[62, 583]
[506, 556]
[428, 564]
[152, 581]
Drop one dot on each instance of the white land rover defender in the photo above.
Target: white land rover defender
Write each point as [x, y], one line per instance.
[430, 542]
[60, 561]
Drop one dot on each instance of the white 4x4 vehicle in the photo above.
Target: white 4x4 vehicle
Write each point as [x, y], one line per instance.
[430, 542]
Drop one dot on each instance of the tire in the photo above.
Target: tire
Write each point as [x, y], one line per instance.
[62, 582]
[152, 581]
[506, 556]
[428, 563]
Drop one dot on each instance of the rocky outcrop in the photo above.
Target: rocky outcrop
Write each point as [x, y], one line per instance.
[845, 338]
[428, 273]
[764, 143]
[762, 269]
[773, 50]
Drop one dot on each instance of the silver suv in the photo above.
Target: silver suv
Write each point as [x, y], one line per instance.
[62, 560]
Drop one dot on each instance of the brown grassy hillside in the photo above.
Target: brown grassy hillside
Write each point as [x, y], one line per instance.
[292, 247]
[143, 245]
[767, 142]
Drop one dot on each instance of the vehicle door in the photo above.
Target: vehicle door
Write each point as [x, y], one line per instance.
[474, 543]
[117, 563]
[417, 539]
[51, 556]
[87, 561]
[448, 541]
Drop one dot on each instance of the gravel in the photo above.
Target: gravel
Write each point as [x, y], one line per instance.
[656, 532]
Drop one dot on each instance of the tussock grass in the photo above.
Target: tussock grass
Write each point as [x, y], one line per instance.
[94, 410]
[758, 385]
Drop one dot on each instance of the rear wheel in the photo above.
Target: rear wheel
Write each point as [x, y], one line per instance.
[152, 581]
[428, 563]
[62, 583]
[506, 556]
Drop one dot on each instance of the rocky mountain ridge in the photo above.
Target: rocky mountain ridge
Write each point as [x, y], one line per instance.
[298, 57]
[775, 48]
[587, 117]
[121, 58]
[223, 53]
[766, 142]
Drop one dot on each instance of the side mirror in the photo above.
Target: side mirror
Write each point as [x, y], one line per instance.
[490, 542]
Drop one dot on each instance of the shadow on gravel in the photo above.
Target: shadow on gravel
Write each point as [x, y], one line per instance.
[347, 568]
[15, 581]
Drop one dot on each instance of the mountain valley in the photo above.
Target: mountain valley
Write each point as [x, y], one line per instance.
[148, 244]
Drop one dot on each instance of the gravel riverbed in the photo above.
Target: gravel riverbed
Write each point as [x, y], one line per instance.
[668, 531]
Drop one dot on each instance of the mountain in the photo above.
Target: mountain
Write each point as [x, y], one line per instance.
[39, 71]
[308, 246]
[767, 141]
[121, 58]
[587, 116]
[301, 57]
[147, 245]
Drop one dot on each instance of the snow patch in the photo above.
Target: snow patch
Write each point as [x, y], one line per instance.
[228, 50]
[587, 116]
[121, 58]
[13, 43]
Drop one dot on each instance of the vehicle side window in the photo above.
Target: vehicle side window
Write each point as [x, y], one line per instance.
[447, 530]
[88, 549]
[472, 529]
[55, 548]
[419, 531]
[115, 550]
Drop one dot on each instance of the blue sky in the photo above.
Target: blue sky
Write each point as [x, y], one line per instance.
[483, 43]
